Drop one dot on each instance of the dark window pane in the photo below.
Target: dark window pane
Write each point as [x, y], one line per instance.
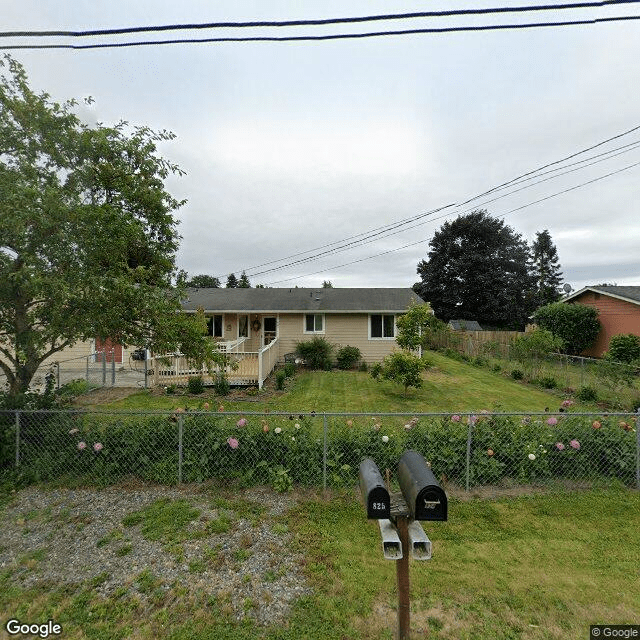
[376, 326]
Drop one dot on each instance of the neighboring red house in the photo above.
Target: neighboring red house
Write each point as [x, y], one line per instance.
[619, 312]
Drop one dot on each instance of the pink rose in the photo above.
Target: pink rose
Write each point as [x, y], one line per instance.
[82, 445]
[552, 421]
[232, 442]
[455, 418]
[242, 422]
[97, 446]
[575, 444]
[559, 446]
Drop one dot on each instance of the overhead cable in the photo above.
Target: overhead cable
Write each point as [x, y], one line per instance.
[316, 21]
[326, 37]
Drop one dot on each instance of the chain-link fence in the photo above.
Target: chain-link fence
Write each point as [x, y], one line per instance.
[98, 369]
[319, 449]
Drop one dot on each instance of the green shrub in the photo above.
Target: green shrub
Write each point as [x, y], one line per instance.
[576, 324]
[546, 382]
[290, 369]
[364, 367]
[221, 385]
[587, 394]
[624, 348]
[348, 357]
[403, 368]
[195, 385]
[516, 374]
[281, 376]
[76, 387]
[317, 352]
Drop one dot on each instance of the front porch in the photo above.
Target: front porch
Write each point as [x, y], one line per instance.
[245, 367]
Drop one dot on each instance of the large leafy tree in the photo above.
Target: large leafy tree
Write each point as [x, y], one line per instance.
[202, 281]
[546, 269]
[477, 269]
[87, 236]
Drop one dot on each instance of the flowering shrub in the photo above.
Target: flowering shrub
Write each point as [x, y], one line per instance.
[503, 449]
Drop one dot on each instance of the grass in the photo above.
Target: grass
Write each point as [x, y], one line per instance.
[536, 566]
[449, 386]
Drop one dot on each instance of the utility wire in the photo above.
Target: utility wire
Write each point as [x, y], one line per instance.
[529, 204]
[340, 36]
[551, 164]
[317, 21]
[402, 225]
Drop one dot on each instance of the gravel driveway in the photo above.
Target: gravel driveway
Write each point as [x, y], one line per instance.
[72, 535]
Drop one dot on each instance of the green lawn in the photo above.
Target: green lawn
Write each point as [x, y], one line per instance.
[449, 386]
[540, 567]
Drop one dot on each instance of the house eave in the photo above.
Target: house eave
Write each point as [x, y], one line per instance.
[575, 295]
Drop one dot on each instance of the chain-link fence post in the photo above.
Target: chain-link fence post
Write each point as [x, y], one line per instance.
[638, 448]
[324, 452]
[471, 421]
[113, 369]
[180, 433]
[17, 438]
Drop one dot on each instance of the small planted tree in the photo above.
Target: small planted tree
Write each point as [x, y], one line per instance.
[402, 368]
[532, 348]
[419, 328]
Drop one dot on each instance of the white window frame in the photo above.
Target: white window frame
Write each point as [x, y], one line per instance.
[382, 337]
[315, 316]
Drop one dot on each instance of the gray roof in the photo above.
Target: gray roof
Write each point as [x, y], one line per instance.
[300, 300]
[630, 294]
[465, 325]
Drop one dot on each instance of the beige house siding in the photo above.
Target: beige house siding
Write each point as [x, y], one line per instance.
[341, 329]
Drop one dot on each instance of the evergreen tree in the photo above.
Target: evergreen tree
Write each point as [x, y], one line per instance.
[546, 269]
[244, 283]
[478, 269]
[232, 281]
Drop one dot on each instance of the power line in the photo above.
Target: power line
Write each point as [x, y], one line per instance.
[317, 21]
[529, 204]
[551, 164]
[391, 229]
[340, 36]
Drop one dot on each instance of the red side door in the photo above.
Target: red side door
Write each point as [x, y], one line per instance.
[112, 351]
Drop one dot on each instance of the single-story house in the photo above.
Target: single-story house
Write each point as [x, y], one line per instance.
[262, 326]
[618, 308]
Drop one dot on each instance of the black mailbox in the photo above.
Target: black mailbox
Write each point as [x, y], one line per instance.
[425, 498]
[374, 493]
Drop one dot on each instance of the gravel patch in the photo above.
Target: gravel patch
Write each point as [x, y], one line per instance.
[68, 536]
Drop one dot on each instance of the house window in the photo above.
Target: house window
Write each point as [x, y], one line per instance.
[314, 323]
[214, 326]
[382, 326]
[243, 326]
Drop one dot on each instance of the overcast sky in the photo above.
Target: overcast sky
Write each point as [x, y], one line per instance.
[291, 146]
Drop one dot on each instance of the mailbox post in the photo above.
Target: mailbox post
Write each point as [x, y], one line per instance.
[422, 498]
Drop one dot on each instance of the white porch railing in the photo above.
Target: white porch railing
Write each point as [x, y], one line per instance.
[245, 368]
[267, 358]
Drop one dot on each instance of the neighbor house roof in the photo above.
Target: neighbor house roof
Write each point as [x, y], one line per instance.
[300, 300]
[465, 325]
[629, 294]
